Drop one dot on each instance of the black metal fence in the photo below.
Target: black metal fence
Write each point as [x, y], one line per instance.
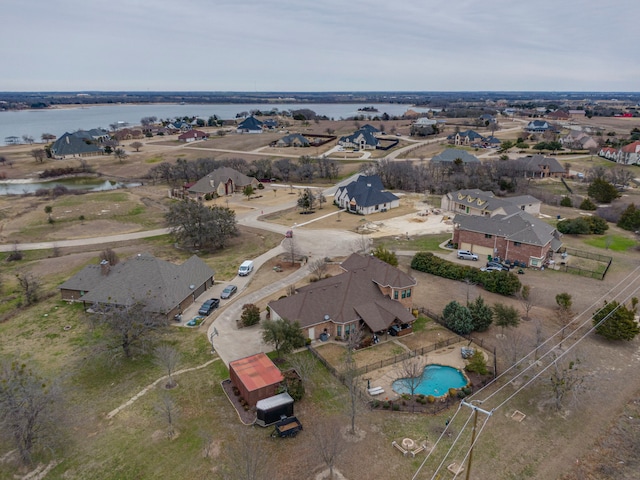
[599, 275]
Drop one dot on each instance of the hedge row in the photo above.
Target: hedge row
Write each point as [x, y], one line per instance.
[504, 283]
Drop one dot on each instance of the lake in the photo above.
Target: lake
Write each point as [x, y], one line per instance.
[57, 121]
[21, 187]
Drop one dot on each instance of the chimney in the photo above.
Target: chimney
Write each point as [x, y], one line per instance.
[105, 268]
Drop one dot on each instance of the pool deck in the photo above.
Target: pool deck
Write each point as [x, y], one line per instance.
[385, 377]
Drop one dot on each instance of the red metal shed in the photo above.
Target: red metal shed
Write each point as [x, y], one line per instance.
[256, 377]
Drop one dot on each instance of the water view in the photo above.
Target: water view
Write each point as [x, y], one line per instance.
[23, 187]
[58, 121]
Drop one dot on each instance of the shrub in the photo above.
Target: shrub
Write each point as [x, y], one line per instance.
[375, 404]
[461, 394]
[396, 407]
[566, 202]
[385, 405]
[587, 204]
[477, 364]
[431, 399]
[453, 392]
[467, 390]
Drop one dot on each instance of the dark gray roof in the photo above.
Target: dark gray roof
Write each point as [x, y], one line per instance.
[368, 137]
[157, 284]
[72, 144]
[533, 164]
[368, 191]
[473, 135]
[450, 155]
[220, 175]
[482, 200]
[250, 123]
[292, 137]
[517, 227]
[369, 128]
[347, 297]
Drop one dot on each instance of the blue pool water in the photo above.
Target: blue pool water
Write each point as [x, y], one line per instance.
[436, 381]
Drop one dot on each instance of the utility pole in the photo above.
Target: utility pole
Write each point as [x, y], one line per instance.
[473, 432]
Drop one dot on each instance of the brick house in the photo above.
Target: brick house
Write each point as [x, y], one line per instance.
[222, 181]
[192, 136]
[539, 166]
[369, 294]
[163, 287]
[516, 236]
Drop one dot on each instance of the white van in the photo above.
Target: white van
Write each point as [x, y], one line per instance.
[246, 268]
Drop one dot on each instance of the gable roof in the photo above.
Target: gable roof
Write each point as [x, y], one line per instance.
[471, 134]
[450, 155]
[483, 200]
[369, 128]
[210, 182]
[294, 138]
[518, 227]
[367, 191]
[157, 284]
[349, 296]
[355, 137]
[192, 134]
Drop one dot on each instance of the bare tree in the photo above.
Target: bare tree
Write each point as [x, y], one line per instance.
[130, 328]
[292, 249]
[110, 256]
[565, 314]
[330, 443]
[168, 358]
[567, 382]
[362, 244]
[539, 338]
[318, 268]
[304, 364]
[513, 346]
[30, 286]
[350, 371]
[169, 410]
[527, 299]
[27, 408]
[248, 458]
[39, 154]
[412, 374]
[291, 290]
[137, 146]
[120, 154]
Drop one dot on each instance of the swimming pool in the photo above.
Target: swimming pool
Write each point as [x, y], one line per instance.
[436, 380]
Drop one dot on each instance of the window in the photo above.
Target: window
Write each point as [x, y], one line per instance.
[516, 244]
[408, 293]
[395, 294]
[339, 330]
[488, 235]
[346, 329]
[461, 206]
[404, 294]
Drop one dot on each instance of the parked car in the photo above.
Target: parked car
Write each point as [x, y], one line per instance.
[394, 330]
[467, 255]
[228, 291]
[209, 306]
[491, 269]
[498, 266]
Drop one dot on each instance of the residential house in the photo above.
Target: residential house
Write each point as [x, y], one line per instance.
[487, 119]
[270, 124]
[293, 140]
[370, 294]
[425, 122]
[609, 153]
[162, 287]
[629, 154]
[537, 126]
[179, 126]
[250, 125]
[539, 166]
[579, 140]
[192, 136]
[360, 139]
[468, 138]
[577, 113]
[483, 203]
[369, 128]
[365, 195]
[222, 181]
[73, 145]
[515, 236]
[455, 156]
[558, 115]
[128, 134]
[492, 142]
[256, 377]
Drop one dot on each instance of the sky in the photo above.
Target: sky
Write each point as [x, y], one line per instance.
[326, 45]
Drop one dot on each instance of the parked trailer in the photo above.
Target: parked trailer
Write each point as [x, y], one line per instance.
[288, 427]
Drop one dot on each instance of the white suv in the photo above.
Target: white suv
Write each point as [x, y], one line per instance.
[467, 255]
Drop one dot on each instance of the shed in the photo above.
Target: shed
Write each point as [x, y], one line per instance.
[270, 410]
[256, 377]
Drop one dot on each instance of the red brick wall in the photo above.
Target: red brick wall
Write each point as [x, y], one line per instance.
[505, 249]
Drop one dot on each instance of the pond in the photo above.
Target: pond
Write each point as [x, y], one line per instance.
[91, 184]
[436, 380]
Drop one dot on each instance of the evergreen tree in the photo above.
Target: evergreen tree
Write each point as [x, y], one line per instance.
[481, 314]
[618, 322]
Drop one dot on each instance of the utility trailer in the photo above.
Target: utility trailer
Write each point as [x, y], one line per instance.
[287, 427]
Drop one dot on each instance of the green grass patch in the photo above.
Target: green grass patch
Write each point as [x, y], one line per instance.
[155, 159]
[420, 324]
[425, 243]
[616, 243]
[137, 210]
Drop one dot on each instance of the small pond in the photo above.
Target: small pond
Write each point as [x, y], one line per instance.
[436, 380]
[21, 187]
